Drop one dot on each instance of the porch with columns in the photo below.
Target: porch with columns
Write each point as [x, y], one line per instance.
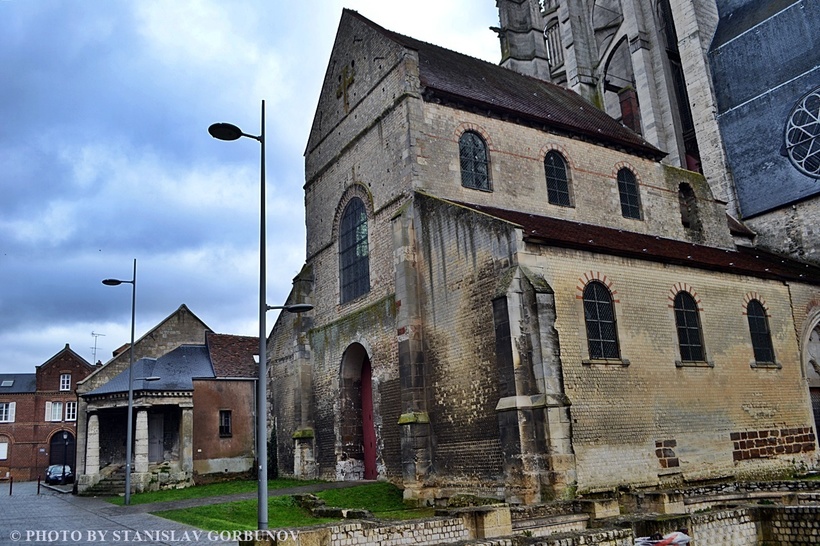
[162, 436]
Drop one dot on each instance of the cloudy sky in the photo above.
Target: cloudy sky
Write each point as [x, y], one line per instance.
[105, 156]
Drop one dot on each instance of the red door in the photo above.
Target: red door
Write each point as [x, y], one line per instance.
[368, 430]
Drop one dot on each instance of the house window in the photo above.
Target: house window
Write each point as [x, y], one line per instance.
[225, 429]
[354, 259]
[599, 315]
[7, 412]
[761, 335]
[688, 324]
[557, 180]
[630, 199]
[474, 163]
[71, 411]
[54, 411]
[4, 449]
[65, 382]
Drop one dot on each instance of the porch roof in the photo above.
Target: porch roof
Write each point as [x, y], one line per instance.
[176, 370]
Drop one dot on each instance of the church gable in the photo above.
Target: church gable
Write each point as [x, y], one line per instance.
[361, 59]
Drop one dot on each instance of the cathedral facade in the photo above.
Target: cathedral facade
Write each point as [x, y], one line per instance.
[516, 295]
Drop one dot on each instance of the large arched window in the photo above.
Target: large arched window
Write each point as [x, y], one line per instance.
[599, 315]
[687, 321]
[354, 259]
[630, 198]
[759, 328]
[557, 179]
[472, 151]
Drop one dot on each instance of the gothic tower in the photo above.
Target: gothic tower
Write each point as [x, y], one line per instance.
[644, 62]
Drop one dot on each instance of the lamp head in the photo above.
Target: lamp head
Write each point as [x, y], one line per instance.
[112, 282]
[298, 308]
[225, 131]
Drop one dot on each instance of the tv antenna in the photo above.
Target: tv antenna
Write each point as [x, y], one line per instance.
[94, 348]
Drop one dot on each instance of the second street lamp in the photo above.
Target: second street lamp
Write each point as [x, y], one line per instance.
[129, 427]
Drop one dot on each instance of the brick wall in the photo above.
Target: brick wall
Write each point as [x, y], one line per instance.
[620, 413]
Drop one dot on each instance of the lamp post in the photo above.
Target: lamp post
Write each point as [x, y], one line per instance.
[130, 428]
[65, 455]
[228, 131]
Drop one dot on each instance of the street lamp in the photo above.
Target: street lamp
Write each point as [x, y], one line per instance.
[228, 131]
[130, 429]
[65, 455]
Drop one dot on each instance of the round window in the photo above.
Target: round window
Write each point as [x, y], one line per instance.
[802, 138]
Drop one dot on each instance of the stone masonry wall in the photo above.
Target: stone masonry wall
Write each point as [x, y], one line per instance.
[791, 230]
[461, 255]
[621, 410]
[518, 180]
[793, 525]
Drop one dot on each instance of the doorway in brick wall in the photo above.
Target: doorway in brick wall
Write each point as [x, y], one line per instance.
[356, 448]
[62, 448]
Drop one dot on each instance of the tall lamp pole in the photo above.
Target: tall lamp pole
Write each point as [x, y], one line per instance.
[130, 427]
[228, 131]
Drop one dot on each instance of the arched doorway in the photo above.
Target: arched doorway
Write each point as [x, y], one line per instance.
[61, 449]
[357, 459]
[812, 367]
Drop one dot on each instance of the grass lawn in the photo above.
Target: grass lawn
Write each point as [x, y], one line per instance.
[210, 490]
[241, 515]
[384, 500]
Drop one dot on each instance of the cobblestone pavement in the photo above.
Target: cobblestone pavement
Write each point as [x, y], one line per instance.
[60, 519]
[57, 518]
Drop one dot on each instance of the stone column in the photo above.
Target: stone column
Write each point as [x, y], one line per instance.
[141, 442]
[416, 440]
[92, 461]
[186, 439]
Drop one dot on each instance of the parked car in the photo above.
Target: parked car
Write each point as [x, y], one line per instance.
[56, 474]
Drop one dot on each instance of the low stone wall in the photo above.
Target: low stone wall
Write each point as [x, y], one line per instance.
[792, 525]
[737, 527]
[749, 525]
[613, 537]
[424, 532]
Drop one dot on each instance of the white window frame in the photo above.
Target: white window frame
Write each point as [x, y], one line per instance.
[4, 450]
[7, 413]
[71, 411]
[65, 382]
[54, 411]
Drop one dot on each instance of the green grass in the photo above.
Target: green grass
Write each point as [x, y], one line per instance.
[384, 500]
[210, 490]
[241, 516]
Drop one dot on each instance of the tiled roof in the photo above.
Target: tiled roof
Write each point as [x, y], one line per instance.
[603, 240]
[20, 383]
[176, 371]
[452, 76]
[232, 356]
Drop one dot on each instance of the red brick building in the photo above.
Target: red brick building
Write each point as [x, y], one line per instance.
[36, 409]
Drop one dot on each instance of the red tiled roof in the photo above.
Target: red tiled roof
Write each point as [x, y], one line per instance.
[232, 356]
[462, 79]
[567, 234]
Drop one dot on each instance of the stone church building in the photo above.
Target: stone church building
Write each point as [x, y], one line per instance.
[518, 296]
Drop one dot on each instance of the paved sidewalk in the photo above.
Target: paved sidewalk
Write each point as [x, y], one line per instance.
[58, 518]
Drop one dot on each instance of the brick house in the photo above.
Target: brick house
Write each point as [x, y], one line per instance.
[38, 416]
[513, 295]
[195, 419]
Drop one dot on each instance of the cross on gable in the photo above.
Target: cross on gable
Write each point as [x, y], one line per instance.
[346, 78]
